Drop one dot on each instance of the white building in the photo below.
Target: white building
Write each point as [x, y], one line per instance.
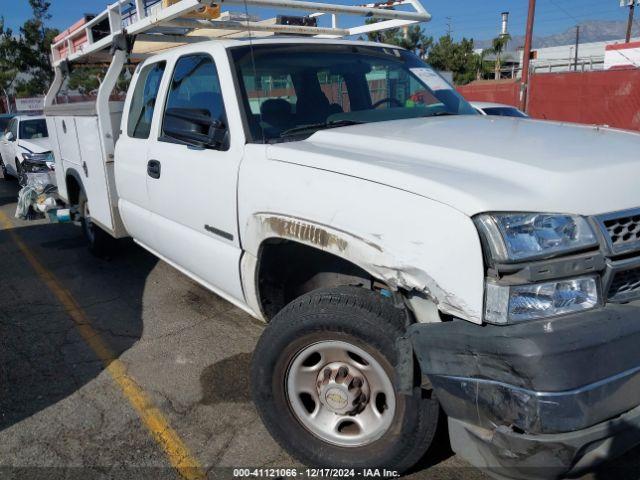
[591, 56]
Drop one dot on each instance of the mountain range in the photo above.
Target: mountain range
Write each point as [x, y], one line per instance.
[590, 31]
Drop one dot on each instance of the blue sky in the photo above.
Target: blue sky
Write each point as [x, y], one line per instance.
[479, 19]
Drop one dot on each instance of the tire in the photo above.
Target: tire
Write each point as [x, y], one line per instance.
[364, 323]
[3, 169]
[100, 243]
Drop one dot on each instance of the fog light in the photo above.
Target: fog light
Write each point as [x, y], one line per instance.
[511, 304]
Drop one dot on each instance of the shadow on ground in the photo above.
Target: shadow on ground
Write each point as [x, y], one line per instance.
[227, 381]
[43, 358]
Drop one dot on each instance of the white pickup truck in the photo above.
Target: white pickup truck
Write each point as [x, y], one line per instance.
[408, 265]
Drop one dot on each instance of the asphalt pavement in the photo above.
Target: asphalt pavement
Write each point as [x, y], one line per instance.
[125, 368]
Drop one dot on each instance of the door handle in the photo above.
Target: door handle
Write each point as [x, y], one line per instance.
[153, 169]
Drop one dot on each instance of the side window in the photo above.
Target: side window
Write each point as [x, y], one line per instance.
[144, 101]
[194, 91]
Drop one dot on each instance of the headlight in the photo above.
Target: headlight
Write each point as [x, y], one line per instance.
[37, 162]
[515, 237]
[511, 304]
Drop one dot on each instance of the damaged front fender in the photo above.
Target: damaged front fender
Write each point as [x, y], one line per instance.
[373, 256]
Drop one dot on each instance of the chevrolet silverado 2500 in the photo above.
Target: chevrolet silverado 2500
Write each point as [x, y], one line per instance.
[407, 266]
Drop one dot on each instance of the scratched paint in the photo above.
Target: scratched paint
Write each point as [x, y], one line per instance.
[305, 232]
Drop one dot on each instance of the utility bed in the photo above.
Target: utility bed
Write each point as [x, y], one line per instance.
[76, 136]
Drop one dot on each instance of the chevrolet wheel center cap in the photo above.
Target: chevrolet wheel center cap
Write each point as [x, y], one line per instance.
[336, 398]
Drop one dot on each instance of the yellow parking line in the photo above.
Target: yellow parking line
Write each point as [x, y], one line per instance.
[179, 456]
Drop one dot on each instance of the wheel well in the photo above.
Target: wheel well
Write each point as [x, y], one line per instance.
[73, 190]
[287, 270]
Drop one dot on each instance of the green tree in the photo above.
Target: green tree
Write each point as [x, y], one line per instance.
[8, 63]
[34, 50]
[498, 46]
[456, 57]
[85, 80]
[412, 38]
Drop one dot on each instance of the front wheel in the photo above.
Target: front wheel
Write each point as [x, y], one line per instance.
[323, 379]
[100, 242]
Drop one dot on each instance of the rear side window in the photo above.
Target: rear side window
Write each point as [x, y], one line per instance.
[195, 89]
[144, 99]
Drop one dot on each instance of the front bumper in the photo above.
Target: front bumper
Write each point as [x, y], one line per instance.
[538, 399]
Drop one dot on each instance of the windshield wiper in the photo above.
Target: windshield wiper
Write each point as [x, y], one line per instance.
[440, 114]
[318, 126]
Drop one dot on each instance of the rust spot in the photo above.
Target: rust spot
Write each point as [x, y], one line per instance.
[305, 232]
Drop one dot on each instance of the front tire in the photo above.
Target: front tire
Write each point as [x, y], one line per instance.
[100, 243]
[323, 380]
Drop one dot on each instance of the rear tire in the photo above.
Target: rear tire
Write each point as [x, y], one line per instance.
[100, 243]
[355, 330]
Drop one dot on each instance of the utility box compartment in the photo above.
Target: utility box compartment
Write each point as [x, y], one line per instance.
[80, 151]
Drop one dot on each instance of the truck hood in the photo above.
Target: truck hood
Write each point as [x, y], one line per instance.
[36, 145]
[479, 164]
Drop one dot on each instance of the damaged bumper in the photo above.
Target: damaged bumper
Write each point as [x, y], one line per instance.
[538, 399]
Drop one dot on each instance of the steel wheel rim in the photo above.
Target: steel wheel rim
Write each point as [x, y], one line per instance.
[319, 402]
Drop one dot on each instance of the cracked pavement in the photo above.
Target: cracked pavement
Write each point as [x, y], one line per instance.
[62, 416]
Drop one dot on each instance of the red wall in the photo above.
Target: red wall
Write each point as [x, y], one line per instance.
[501, 91]
[604, 98]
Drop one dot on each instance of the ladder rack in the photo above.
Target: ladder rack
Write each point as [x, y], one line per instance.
[177, 24]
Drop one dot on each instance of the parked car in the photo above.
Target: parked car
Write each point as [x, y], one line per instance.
[25, 146]
[498, 109]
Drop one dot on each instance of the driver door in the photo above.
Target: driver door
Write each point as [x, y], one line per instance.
[192, 190]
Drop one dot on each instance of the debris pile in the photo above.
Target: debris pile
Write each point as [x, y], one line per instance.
[38, 196]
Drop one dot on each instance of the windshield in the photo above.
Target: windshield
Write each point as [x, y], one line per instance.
[32, 129]
[292, 90]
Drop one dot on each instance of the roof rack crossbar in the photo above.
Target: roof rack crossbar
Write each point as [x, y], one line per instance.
[80, 44]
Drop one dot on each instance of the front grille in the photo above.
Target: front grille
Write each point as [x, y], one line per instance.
[623, 231]
[625, 285]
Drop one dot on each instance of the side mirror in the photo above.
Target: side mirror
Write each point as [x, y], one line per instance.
[194, 126]
[9, 136]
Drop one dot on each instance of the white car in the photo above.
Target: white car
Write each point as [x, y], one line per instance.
[498, 109]
[25, 145]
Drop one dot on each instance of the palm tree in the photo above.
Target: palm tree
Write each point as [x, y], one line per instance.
[498, 46]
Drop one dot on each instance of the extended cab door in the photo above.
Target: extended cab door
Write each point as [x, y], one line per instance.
[192, 190]
[132, 148]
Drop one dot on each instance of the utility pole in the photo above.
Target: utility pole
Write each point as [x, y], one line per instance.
[526, 59]
[448, 26]
[632, 7]
[577, 45]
